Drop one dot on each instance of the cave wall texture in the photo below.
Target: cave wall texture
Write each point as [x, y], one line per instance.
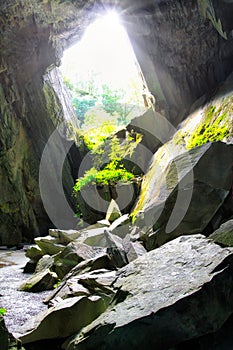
[180, 53]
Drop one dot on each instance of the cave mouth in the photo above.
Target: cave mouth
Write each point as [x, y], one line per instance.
[103, 76]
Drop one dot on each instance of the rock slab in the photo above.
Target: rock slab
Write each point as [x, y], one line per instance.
[177, 292]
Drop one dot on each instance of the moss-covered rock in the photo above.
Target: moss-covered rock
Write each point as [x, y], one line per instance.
[224, 235]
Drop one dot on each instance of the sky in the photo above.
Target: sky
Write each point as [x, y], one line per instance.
[104, 49]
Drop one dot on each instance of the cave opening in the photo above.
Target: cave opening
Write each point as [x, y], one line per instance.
[104, 77]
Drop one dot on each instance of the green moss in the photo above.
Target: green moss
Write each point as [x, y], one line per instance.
[207, 133]
[215, 125]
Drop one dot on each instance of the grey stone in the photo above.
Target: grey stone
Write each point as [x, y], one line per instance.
[40, 281]
[115, 250]
[46, 262]
[164, 298]
[101, 262]
[49, 245]
[64, 236]
[62, 320]
[34, 253]
[113, 211]
[121, 226]
[224, 235]
[30, 266]
[132, 249]
[200, 192]
[74, 253]
[93, 237]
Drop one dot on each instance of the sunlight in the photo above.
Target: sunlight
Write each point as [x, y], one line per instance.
[104, 52]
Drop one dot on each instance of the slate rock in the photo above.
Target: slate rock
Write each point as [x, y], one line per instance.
[132, 249]
[115, 250]
[34, 253]
[62, 320]
[74, 253]
[49, 245]
[93, 236]
[224, 235]
[30, 266]
[64, 236]
[113, 211]
[121, 226]
[177, 292]
[101, 262]
[46, 262]
[40, 281]
[183, 190]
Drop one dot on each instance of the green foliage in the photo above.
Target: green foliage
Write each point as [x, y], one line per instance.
[57, 284]
[82, 105]
[2, 311]
[88, 94]
[110, 175]
[112, 172]
[95, 137]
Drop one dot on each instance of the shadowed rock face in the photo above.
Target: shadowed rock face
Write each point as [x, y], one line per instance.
[180, 53]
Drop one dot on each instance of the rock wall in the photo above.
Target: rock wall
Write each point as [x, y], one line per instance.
[180, 53]
[30, 111]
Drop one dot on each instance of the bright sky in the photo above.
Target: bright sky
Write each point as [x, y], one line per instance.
[104, 49]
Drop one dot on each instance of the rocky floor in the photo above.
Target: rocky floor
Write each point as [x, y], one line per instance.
[20, 305]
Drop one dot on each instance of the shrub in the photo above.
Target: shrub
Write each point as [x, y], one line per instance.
[110, 175]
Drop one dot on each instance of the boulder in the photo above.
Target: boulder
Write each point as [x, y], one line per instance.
[101, 262]
[62, 320]
[44, 280]
[46, 262]
[49, 245]
[132, 249]
[115, 250]
[177, 292]
[8, 342]
[113, 211]
[121, 226]
[30, 266]
[97, 282]
[224, 235]
[74, 253]
[93, 237]
[34, 253]
[64, 236]
[181, 194]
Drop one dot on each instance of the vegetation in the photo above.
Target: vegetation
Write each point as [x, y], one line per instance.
[2, 311]
[215, 125]
[110, 175]
[208, 132]
[114, 170]
[111, 102]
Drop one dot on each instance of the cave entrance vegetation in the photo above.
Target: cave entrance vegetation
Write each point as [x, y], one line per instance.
[104, 79]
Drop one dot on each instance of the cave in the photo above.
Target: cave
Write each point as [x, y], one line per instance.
[181, 55]
[159, 274]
